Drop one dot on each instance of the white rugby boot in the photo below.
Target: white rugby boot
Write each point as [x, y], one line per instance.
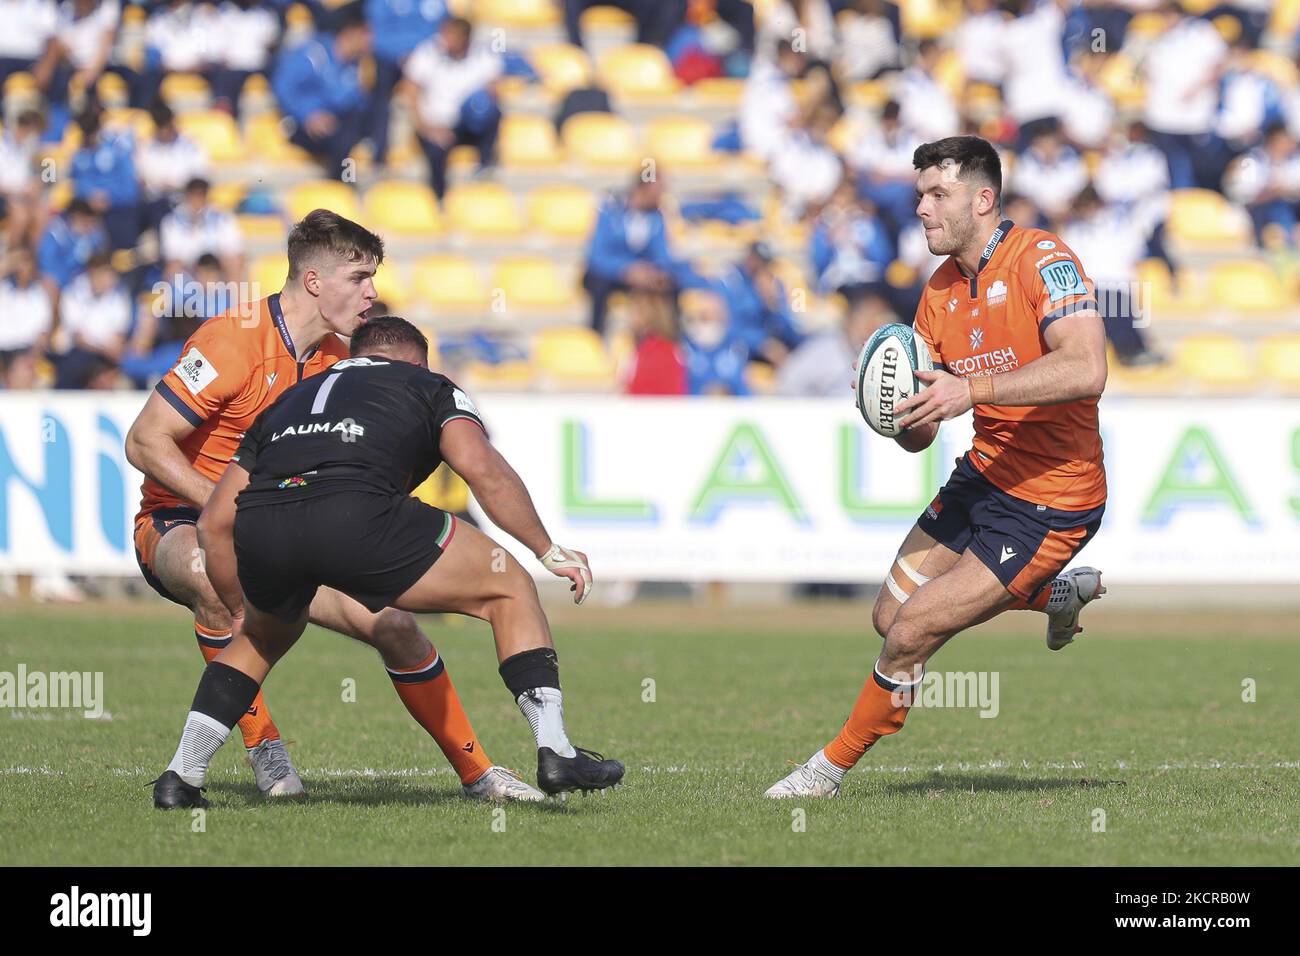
[1070, 592]
[812, 779]
[274, 771]
[500, 784]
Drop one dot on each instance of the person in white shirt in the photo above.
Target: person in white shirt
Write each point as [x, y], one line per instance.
[1182, 70]
[808, 24]
[1112, 245]
[1249, 102]
[978, 42]
[1267, 182]
[804, 165]
[80, 48]
[1087, 111]
[451, 89]
[26, 319]
[165, 164]
[1134, 176]
[195, 227]
[821, 366]
[248, 31]
[1034, 58]
[1049, 172]
[25, 28]
[768, 105]
[21, 204]
[926, 107]
[95, 317]
[882, 160]
[869, 46]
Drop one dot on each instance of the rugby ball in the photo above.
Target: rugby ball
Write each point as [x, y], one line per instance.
[887, 371]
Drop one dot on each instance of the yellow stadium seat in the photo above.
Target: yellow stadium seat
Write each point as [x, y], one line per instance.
[260, 228]
[1204, 217]
[531, 282]
[562, 66]
[927, 19]
[1279, 68]
[393, 288]
[182, 91]
[112, 89]
[139, 122]
[450, 282]
[1286, 18]
[60, 195]
[323, 194]
[1163, 379]
[573, 357]
[681, 141]
[517, 13]
[402, 208]
[502, 377]
[564, 212]
[761, 378]
[1279, 360]
[528, 140]
[604, 17]
[21, 83]
[215, 131]
[718, 91]
[227, 195]
[268, 273]
[1249, 286]
[264, 139]
[601, 139]
[638, 71]
[299, 17]
[1211, 360]
[484, 209]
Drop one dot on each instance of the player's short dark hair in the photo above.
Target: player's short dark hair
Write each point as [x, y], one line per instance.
[979, 161]
[324, 232]
[80, 207]
[387, 331]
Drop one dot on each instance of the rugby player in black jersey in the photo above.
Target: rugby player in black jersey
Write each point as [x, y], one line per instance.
[318, 495]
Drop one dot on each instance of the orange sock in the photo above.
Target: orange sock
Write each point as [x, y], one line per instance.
[430, 696]
[874, 715]
[256, 725]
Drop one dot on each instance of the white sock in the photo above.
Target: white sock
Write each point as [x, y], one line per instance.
[825, 767]
[1062, 594]
[543, 708]
[200, 740]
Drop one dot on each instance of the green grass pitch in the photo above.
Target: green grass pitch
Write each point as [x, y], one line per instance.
[1142, 719]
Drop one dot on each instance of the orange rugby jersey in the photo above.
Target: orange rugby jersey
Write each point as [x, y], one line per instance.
[231, 369]
[993, 322]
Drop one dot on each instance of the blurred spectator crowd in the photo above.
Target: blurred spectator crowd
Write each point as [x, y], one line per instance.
[660, 197]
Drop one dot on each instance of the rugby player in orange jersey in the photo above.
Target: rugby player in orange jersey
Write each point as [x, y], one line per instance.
[1012, 323]
[232, 368]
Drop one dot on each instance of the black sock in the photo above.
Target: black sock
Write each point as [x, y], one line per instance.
[224, 694]
[538, 667]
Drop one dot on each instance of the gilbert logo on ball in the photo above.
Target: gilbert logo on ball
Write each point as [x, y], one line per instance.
[887, 370]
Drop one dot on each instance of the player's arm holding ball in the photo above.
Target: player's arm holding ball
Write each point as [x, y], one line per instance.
[501, 493]
[1073, 368]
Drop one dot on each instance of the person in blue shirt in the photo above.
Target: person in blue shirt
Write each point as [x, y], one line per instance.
[399, 26]
[759, 306]
[103, 174]
[716, 354]
[68, 243]
[318, 85]
[850, 247]
[629, 250]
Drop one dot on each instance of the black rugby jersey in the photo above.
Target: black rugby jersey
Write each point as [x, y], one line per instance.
[366, 424]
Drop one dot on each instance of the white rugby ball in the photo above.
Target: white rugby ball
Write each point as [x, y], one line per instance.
[887, 371]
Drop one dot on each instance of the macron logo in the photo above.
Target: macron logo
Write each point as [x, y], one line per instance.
[103, 909]
[1007, 554]
[270, 379]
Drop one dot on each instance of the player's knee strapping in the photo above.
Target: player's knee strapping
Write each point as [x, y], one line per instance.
[880, 710]
[256, 726]
[903, 579]
[430, 697]
[223, 695]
